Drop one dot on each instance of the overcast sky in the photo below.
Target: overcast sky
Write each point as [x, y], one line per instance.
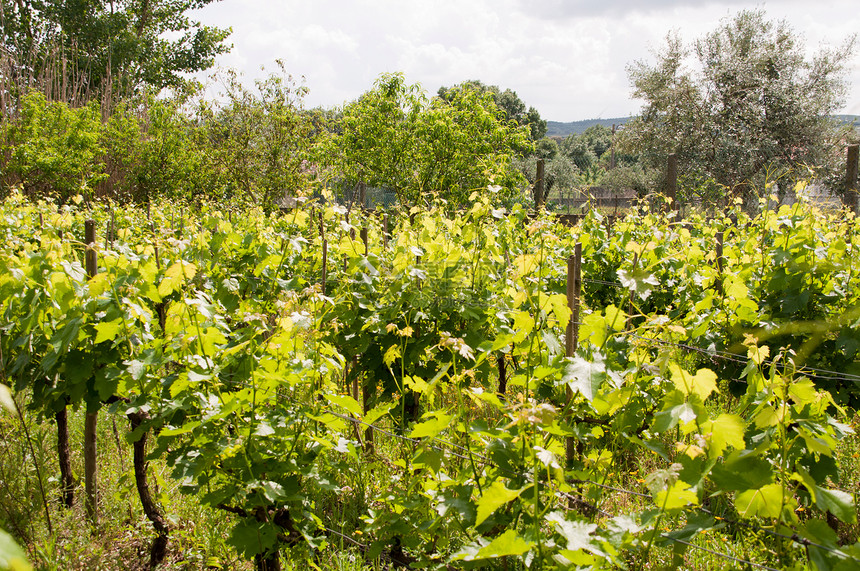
[567, 58]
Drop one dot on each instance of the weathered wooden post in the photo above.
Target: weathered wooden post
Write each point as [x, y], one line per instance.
[540, 196]
[91, 421]
[851, 191]
[719, 281]
[324, 263]
[571, 338]
[612, 149]
[672, 181]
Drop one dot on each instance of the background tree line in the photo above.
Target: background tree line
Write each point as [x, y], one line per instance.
[94, 102]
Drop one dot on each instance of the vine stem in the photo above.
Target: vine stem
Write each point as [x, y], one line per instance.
[36, 466]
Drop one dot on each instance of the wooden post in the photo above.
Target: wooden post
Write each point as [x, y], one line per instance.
[719, 282]
[851, 191]
[353, 367]
[324, 263]
[672, 181]
[351, 237]
[629, 324]
[539, 187]
[385, 231]
[612, 149]
[91, 421]
[571, 338]
[364, 239]
[366, 396]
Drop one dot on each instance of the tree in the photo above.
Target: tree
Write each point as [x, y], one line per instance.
[393, 136]
[754, 109]
[78, 49]
[258, 141]
[52, 150]
[508, 101]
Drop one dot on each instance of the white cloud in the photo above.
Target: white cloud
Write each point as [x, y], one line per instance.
[566, 58]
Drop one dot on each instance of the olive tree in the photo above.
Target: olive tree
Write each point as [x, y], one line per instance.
[741, 105]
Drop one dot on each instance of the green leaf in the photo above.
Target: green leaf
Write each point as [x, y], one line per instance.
[703, 383]
[763, 502]
[273, 491]
[264, 429]
[107, 331]
[803, 392]
[391, 354]
[251, 537]
[12, 557]
[638, 281]
[431, 427]
[837, 502]
[429, 458]
[6, 400]
[725, 430]
[584, 376]
[595, 326]
[678, 495]
[577, 533]
[742, 470]
[377, 412]
[509, 543]
[347, 403]
[494, 497]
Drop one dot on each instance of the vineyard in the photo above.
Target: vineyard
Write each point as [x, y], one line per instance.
[352, 389]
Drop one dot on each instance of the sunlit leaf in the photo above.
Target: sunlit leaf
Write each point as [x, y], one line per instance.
[494, 496]
[763, 502]
[431, 427]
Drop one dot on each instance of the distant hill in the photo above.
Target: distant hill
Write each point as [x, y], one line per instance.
[559, 129]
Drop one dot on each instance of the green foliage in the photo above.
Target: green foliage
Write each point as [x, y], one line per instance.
[257, 143]
[393, 137]
[758, 108]
[261, 379]
[53, 150]
[508, 101]
[12, 557]
[254, 146]
[560, 173]
[153, 150]
[102, 48]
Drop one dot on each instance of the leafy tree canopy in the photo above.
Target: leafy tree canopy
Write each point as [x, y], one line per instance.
[395, 137]
[750, 106]
[508, 101]
[79, 48]
[585, 149]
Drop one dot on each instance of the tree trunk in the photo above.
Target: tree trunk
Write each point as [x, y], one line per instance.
[90, 467]
[67, 481]
[158, 549]
[267, 562]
